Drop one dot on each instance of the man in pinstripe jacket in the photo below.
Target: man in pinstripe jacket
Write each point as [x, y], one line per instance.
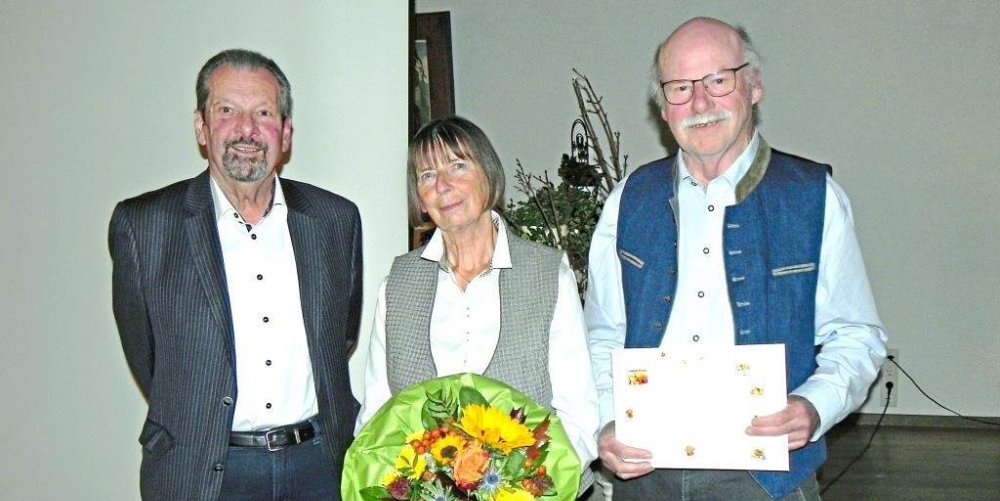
[237, 296]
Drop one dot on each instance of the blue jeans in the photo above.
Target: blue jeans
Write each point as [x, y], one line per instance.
[302, 472]
[707, 485]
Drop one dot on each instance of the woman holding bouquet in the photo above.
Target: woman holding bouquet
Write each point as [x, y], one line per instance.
[476, 298]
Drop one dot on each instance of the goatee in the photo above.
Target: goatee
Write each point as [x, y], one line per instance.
[245, 168]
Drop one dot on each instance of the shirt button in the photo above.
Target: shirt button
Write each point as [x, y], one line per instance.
[268, 405]
[260, 277]
[658, 325]
[705, 250]
[227, 401]
[696, 338]
[701, 293]
[711, 208]
[694, 183]
[235, 215]
[667, 298]
[253, 236]
[218, 467]
[266, 320]
[267, 363]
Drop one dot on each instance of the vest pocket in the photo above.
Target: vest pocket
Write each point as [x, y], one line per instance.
[632, 259]
[792, 269]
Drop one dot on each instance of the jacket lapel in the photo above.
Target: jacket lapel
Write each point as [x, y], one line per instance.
[305, 232]
[202, 235]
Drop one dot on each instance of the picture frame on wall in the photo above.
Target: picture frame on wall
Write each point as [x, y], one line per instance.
[431, 76]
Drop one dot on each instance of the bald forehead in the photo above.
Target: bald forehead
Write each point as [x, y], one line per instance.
[698, 42]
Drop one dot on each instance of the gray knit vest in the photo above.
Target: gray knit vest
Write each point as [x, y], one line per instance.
[528, 293]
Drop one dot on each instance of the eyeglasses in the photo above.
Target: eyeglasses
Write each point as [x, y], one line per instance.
[718, 84]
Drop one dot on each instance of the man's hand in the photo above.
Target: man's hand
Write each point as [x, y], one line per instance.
[798, 419]
[624, 461]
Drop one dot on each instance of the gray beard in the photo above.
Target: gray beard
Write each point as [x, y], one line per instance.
[245, 170]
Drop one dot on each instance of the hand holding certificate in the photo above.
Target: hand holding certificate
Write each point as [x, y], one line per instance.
[690, 406]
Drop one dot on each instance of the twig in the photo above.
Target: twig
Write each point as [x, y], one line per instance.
[611, 171]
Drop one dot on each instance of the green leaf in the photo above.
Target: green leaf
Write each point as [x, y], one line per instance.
[375, 493]
[427, 416]
[513, 467]
[439, 406]
[543, 454]
[468, 395]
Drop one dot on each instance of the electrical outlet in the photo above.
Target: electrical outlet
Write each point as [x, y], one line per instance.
[890, 374]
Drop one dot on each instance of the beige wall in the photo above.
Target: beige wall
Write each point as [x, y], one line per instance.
[98, 100]
[900, 97]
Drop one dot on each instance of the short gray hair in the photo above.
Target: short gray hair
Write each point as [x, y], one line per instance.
[434, 143]
[244, 59]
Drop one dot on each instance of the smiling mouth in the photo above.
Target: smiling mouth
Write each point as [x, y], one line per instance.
[246, 147]
[705, 120]
[452, 206]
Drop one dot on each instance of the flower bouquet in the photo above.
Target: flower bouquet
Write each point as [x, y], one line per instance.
[461, 437]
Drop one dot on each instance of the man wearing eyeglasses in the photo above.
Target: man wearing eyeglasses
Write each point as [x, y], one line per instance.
[731, 242]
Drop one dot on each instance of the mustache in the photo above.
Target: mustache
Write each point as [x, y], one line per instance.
[705, 118]
[247, 142]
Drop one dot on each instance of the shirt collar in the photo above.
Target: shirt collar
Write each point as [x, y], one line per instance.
[735, 172]
[434, 251]
[224, 209]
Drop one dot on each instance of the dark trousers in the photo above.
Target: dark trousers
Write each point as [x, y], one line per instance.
[303, 472]
[703, 485]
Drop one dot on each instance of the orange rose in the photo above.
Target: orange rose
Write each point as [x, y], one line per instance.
[470, 464]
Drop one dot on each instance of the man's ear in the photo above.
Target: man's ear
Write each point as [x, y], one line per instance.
[757, 90]
[199, 128]
[286, 135]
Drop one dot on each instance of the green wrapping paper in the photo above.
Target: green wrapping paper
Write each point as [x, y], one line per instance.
[376, 449]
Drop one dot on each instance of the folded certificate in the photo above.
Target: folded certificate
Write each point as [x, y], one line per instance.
[690, 406]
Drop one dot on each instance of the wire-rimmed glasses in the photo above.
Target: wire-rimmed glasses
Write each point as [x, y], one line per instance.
[718, 84]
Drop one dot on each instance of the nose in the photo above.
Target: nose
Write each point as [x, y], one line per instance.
[442, 182]
[245, 124]
[701, 101]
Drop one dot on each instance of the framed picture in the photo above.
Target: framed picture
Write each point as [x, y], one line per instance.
[431, 79]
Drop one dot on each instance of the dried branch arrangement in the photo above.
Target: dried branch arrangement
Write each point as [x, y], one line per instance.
[562, 213]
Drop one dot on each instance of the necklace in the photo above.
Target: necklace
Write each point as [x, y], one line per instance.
[478, 271]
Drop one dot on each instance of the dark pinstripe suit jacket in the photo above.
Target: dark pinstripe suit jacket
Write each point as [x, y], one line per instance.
[173, 316]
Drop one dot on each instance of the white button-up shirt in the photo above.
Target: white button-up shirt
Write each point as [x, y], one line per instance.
[273, 370]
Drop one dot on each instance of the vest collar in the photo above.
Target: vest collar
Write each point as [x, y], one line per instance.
[756, 171]
[745, 185]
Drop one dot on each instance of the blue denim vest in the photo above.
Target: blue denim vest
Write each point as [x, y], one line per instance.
[771, 240]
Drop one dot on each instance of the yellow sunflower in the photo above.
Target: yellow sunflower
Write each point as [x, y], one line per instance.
[444, 449]
[389, 478]
[410, 463]
[416, 435]
[495, 428]
[513, 495]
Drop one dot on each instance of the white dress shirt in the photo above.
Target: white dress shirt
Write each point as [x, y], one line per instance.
[847, 323]
[273, 370]
[475, 315]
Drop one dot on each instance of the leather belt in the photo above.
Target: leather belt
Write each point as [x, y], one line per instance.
[277, 438]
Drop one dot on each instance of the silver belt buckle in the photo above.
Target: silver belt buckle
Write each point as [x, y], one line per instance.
[267, 440]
